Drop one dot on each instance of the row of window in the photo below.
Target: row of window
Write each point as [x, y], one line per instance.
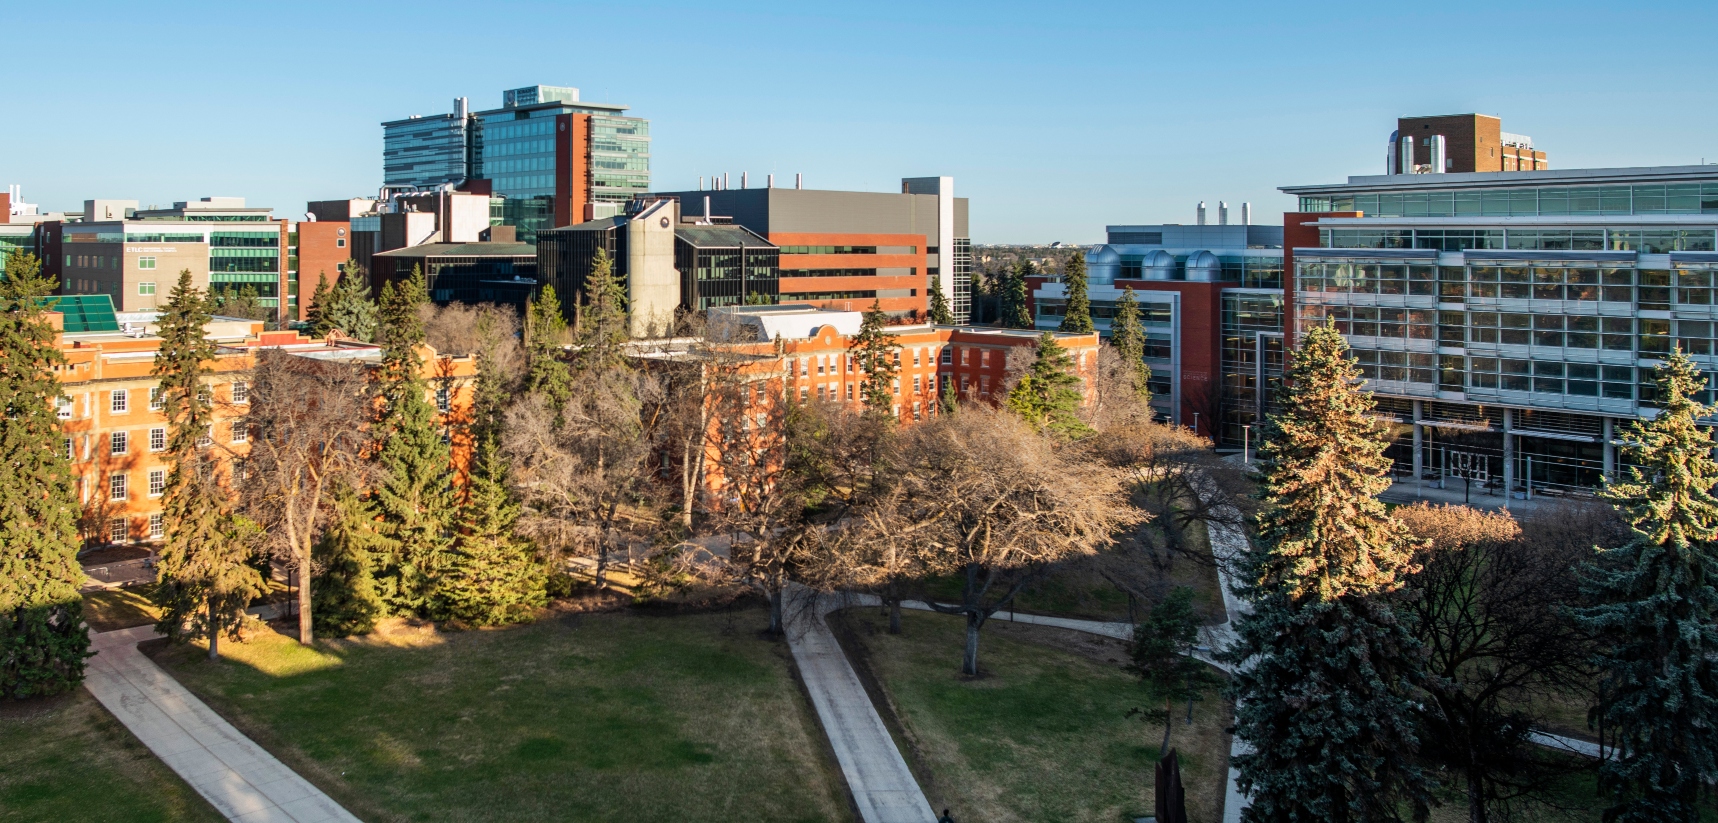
[849, 249]
[1648, 241]
[119, 400]
[1646, 336]
[119, 442]
[119, 528]
[1675, 198]
[1657, 289]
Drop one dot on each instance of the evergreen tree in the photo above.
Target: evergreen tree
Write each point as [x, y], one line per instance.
[604, 326]
[206, 579]
[314, 317]
[415, 500]
[1048, 395]
[878, 356]
[1078, 320]
[349, 307]
[345, 600]
[495, 577]
[493, 390]
[545, 330]
[1015, 314]
[1163, 659]
[1324, 668]
[1657, 612]
[1128, 337]
[42, 639]
[940, 313]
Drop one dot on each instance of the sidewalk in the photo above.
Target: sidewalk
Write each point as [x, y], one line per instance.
[883, 787]
[242, 781]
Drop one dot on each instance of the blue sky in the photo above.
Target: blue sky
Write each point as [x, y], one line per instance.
[1055, 118]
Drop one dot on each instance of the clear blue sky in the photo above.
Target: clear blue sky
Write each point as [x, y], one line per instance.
[1055, 118]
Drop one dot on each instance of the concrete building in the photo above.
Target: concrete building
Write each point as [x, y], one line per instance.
[845, 249]
[1210, 298]
[1510, 320]
[135, 255]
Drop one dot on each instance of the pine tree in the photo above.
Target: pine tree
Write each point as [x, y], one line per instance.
[1078, 319]
[1128, 338]
[349, 307]
[1015, 314]
[1163, 659]
[545, 330]
[315, 317]
[877, 354]
[1657, 612]
[415, 500]
[42, 639]
[206, 579]
[495, 577]
[1048, 395]
[940, 313]
[1324, 668]
[604, 326]
[345, 600]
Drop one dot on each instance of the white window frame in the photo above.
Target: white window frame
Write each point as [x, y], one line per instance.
[119, 402]
[118, 442]
[65, 405]
[157, 526]
[146, 289]
[241, 391]
[120, 526]
[118, 486]
[158, 439]
[146, 263]
[155, 401]
[241, 432]
[157, 482]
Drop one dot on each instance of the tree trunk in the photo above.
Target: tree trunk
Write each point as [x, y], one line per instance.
[969, 664]
[214, 632]
[775, 612]
[895, 615]
[304, 632]
[602, 560]
[1475, 798]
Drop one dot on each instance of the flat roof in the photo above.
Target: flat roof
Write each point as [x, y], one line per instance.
[464, 250]
[1498, 179]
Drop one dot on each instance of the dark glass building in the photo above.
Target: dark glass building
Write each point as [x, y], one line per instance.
[503, 273]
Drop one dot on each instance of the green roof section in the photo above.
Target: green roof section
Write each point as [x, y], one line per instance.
[84, 312]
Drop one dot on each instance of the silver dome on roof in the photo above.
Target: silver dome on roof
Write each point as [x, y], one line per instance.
[1158, 265]
[1204, 266]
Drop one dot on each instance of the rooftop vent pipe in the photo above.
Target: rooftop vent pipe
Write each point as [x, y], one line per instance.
[1222, 212]
[1246, 214]
[1201, 214]
[798, 180]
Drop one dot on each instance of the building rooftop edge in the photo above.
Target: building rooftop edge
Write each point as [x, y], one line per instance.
[1480, 178]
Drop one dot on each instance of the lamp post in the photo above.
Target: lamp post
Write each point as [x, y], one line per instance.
[1195, 423]
[1247, 444]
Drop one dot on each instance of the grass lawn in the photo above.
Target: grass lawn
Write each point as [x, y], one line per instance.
[611, 716]
[66, 758]
[1043, 735]
[111, 609]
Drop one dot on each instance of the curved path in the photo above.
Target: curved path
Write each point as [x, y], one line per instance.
[241, 780]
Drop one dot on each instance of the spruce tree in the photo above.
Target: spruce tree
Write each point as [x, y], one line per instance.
[1015, 314]
[545, 330]
[877, 354]
[346, 600]
[1324, 668]
[1128, 338]
[604, 326]
[205, 576]
[493, 389]
[415, 501]
[42, 639]
[1163, 659]
[349, 307]
[495, 577]
[1048, 395]
[940, 313]
[1656, 612]
[316, 322]
[1078, 319]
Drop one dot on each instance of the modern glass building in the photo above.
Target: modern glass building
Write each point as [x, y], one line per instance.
[1510, 321]
[428, 152]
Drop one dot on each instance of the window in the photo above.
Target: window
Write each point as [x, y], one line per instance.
[916, 358]
[820, 367]
[849, 391]
[963, 354]
[241, 431]
[983, 357]
[895, 385]
[155, 399]
[820, 394]
[116, 486]
[948, 356]
[804, 367]
[241, 391]
[121, 401]
[984, 384]
[804, 393]
[146, 263]
[339, 242]
[918, 412]
[157, 526]
[441, 399]
[916, 384]
[145, 289]
[157, 482]
[208, 436]
[65, 408]
[117, 530]
[68, 452]
[118, 443]
[157, 439]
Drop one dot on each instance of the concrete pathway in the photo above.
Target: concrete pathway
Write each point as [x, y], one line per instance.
[882, 785]
[240, 779]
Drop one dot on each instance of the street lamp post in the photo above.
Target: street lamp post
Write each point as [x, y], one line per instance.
[1196, 423]
[1247, 444]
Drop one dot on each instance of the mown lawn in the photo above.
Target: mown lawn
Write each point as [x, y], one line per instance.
[65, 758]
[111, 609]
[1043, 735]
[593, 717]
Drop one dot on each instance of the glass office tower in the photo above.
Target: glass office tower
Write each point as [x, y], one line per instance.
[1510, 321]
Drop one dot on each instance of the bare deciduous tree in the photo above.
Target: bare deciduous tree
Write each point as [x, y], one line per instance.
[307, 419]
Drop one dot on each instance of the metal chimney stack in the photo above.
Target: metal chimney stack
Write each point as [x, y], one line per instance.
[460, 108]
[742, 180]
[769, 182]
[798, 180]
[1246, 214]
[700, 182]
[1222, 212]
[724, 181]
[1201, 213]
[706, 208]
[1436, 150]
[1405, 150]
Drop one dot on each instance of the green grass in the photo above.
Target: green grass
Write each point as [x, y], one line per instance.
[1043, 735]
[111, 609]
[66, 758]
[593, 717]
